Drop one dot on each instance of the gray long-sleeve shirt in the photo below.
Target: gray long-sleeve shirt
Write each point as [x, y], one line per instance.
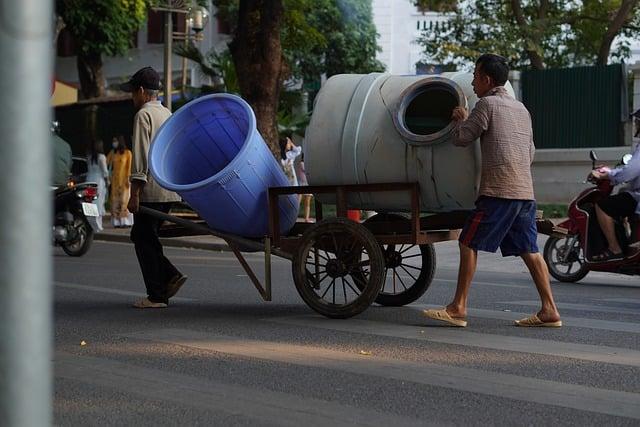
[629, 173]
[145, 125]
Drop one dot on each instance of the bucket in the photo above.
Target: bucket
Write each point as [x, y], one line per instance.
[211, 154]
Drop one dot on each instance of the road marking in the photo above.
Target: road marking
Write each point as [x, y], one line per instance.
[578, 322]
[623, 300]
[263, 406]
[80, 287]
[458, 336]
[510, 386]
[500, 285]
[581, 307]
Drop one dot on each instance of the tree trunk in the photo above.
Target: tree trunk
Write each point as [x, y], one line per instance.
[619, 20]
[90, 74]
[537, 61]
[257, 56]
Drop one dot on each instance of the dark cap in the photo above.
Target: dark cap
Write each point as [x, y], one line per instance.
[636, 114]
[145, 77]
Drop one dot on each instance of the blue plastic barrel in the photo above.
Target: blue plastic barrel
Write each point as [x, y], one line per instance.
[211, 154]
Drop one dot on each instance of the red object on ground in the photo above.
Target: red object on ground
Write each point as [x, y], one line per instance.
[353, 215]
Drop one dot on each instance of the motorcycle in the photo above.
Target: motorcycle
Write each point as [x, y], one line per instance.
[570, 250]
[73, 206]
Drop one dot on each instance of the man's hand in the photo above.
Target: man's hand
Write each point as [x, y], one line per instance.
[459, 114]
[134, 203]
[134, 199]
[599, 174]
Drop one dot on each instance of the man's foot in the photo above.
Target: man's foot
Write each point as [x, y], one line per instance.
[175, 284]
[145, 303]
[608, 255]
[535, 321]
[443, 316]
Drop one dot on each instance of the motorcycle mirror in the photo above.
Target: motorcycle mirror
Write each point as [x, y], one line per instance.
[626, 159]
[594, 158]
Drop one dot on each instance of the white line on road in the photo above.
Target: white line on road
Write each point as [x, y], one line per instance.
[458, 336]
[263, 406]
[112, 291]
[509, 386]
[580, 307]
[500, 285]
[579, 322]
[623, 300]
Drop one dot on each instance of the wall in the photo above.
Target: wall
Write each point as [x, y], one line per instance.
[559, 174]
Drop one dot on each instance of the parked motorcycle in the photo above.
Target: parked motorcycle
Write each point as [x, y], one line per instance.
[73, 206]
[569, 252]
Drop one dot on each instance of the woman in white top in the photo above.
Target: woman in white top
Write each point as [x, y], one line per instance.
[97, 172]
[288, 153]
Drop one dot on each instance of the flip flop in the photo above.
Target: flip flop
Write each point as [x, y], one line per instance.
[607, 255]
[443, 316]
[145, 303]
[534, 321]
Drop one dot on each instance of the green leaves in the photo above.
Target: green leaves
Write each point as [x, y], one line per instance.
[103, 26]
[560, 33]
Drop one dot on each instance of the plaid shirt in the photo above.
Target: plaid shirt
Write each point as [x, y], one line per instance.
[503, 125]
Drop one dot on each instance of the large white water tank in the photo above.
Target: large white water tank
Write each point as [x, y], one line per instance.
[375, 128]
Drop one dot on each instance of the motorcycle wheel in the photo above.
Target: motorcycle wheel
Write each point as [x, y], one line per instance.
[82, 243]
[554, 255]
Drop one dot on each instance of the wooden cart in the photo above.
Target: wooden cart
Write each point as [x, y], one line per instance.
[340, 267]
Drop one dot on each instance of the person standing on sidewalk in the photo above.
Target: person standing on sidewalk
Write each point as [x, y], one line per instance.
[161, 278]
[505, 209]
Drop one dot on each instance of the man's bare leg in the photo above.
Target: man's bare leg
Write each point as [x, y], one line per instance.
[540, 275]
[466, 270]
[607, 226]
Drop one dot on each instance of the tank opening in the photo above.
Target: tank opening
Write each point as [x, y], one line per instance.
[430, 110]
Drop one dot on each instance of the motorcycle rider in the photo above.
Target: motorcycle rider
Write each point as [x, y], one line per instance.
[623, 204]
[61, 157]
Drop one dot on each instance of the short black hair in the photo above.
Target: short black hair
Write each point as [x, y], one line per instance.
[494, 66]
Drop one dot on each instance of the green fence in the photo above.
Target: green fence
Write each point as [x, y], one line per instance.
[576, 107]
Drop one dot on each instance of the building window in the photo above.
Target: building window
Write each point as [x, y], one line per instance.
[155, 26]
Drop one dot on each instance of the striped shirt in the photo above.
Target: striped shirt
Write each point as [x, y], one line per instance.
[503, 125]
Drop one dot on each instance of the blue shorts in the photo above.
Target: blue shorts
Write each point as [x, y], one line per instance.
[505, 223]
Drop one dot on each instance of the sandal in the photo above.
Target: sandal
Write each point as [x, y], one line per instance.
[607, 255]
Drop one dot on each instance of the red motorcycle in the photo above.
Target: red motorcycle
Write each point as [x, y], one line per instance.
[572, 245]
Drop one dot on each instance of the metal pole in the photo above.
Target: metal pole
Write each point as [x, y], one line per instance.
[168, 52]
[26, 34]
[187, 30]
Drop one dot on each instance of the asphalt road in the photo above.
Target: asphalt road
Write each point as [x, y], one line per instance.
[219, 355]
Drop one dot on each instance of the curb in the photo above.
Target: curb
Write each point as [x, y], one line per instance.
[166, 242]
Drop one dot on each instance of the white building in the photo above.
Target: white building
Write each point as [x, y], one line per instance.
[399, 24]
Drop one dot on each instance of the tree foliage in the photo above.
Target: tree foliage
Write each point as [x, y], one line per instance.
[321, 36]
[536, 33]
[100, 27]
[103, 26]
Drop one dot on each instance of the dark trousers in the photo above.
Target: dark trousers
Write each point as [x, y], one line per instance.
[157, 270]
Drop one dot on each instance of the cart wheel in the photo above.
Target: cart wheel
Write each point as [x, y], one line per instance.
[330, 253]
[409, 269]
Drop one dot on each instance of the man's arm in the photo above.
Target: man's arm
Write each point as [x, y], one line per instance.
[468, 129]
[626, 173]
[139, 161]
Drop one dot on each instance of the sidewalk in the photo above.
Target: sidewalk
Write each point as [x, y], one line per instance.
[121, 235]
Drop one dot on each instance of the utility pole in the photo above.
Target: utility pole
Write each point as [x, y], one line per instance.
[168, 52]
[26, 33]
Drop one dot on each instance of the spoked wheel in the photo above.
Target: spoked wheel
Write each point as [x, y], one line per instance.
[565, 258]
[330, 253]
[84, 237]
[409, 269]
